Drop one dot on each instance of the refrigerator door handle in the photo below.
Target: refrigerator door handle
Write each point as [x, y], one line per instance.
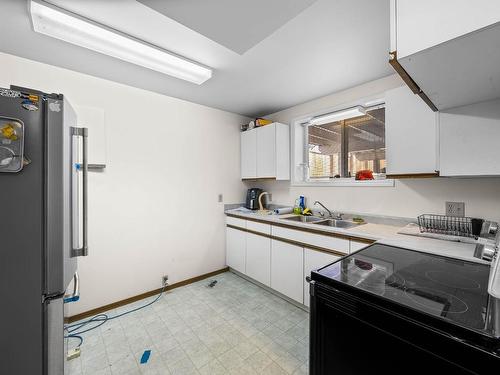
[75, 296]
[83, 132]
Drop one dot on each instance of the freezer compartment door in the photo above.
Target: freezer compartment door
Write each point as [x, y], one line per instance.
[54, 342]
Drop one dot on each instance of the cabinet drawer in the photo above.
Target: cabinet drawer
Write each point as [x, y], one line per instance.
[234, 221]
[356, 245]
[259, 227]
[340, 245]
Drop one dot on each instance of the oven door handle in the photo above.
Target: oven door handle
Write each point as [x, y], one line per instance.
[312, 286]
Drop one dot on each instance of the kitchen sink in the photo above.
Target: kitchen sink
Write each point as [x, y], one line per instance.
[337, 223]
[304, 219]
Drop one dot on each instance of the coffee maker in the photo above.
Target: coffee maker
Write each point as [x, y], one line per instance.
[252, 202]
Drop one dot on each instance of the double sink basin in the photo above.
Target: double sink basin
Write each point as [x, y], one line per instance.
[345, 224]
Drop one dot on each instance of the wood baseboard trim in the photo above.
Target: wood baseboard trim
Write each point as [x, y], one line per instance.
[413, 175]
[259, 179]
[126, 301]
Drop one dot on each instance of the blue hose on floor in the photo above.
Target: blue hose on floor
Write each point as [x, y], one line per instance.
[74, 330]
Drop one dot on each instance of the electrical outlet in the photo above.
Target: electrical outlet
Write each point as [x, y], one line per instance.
[455, 209]
[269, 197]
[72, 354]
[221, 198]
[164, 280]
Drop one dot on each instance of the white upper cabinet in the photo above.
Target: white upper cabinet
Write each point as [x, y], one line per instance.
[249, 154]
[448, 48]
[469, 140]
[265, 152]
[410, 134]
[424, 24]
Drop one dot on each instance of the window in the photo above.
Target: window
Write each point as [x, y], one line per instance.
[341, 148]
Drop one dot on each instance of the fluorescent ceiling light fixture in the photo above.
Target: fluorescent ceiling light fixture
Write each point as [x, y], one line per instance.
[338, 115]
[60, 24]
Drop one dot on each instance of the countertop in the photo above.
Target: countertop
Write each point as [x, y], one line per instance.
[383, 233]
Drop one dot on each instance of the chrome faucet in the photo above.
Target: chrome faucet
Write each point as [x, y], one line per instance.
[330, 213]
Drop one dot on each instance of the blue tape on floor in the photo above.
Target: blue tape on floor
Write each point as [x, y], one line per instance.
[145, 356]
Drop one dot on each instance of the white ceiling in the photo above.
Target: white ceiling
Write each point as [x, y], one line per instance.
[236, 24]
[329, 46]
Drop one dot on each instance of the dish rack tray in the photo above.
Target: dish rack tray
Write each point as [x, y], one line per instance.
[450, 225]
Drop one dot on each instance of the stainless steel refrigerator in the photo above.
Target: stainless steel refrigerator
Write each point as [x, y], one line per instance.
[43, 226]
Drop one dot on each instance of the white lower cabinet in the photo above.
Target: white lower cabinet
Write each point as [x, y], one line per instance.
[258, 258]
[340, 245]
[236, 249]
[313, 260]
[277, 264]
[287, 269]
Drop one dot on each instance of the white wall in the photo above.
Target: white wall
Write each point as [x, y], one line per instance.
[154, 210]
[408, 198]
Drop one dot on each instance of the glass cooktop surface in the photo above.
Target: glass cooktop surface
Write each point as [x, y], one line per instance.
[452, 289]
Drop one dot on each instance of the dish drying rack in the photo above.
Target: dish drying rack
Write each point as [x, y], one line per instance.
[450, 225]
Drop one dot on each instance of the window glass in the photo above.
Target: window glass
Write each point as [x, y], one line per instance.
[343, 148]
[325, 143]
[366, 142]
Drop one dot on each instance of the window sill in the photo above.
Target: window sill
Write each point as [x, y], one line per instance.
[346, 182]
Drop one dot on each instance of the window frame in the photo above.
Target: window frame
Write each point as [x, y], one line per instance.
[300, 148]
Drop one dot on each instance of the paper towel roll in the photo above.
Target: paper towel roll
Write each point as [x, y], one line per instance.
[283, 210]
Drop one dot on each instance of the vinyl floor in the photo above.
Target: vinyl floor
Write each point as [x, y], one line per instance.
[235, 327]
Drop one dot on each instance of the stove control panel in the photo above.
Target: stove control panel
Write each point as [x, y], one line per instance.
[494, 280]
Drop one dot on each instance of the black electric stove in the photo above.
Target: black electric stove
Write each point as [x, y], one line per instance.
[432, 310]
